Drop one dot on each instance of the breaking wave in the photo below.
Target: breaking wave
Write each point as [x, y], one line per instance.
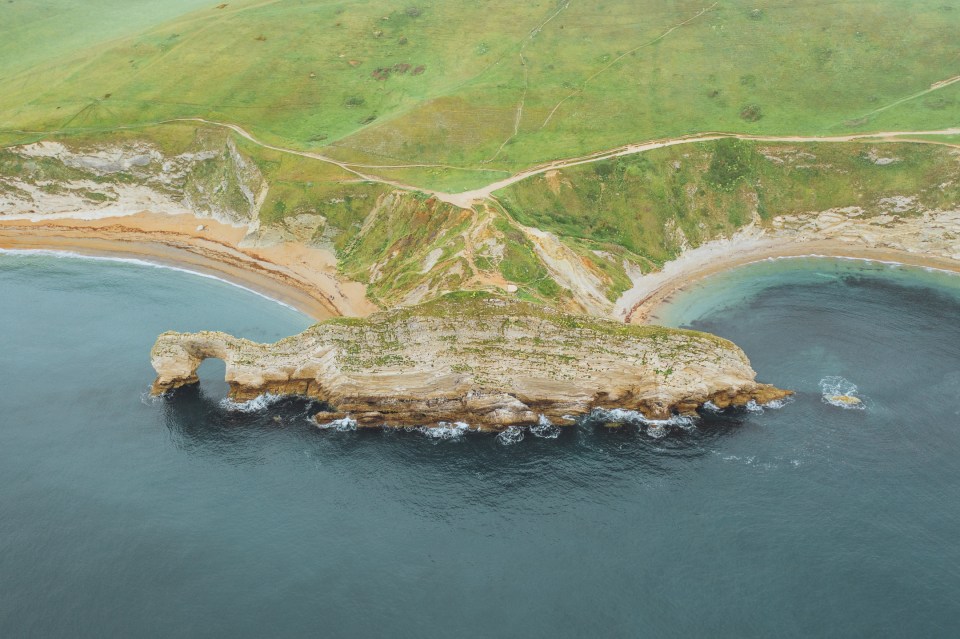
[512, 435]
[710, 407]
[656, 428]
[255, 405]
[753, 407]
[542, 429]
[624, 416]
[545, 429]
[445, 430]
[775, 404]
[339, 425]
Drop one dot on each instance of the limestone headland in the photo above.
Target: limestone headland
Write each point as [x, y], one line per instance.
[490, 361]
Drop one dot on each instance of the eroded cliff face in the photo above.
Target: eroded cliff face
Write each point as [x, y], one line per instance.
[213, 180]
[490, 361]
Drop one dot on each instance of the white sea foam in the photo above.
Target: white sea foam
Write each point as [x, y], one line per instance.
[777, 404]
[711, 407]
[149, 399]
[657, 431]
[341, 425]
[100, 214]
[753, 407]
[255, 405]
[834, 387]
[636, 417]
[445, 430]
[136, 262]
[512, 435]
[870, 260]
[545, 429]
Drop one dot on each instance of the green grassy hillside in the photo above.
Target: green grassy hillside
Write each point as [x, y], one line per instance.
[449, 96]
[653, 204]
[491, 84]
[35, 31]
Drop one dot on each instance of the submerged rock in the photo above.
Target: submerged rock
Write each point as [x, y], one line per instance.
[490, 361]
[840, 392]
[844, 400]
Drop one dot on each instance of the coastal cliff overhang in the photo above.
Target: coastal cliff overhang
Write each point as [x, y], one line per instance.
[490, 361]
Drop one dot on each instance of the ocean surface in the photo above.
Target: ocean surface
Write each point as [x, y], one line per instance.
[124, 516]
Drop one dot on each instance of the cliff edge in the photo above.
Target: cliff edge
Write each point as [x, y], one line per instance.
[487, 360]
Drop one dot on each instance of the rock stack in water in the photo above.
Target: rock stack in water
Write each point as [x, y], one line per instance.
[489, 361]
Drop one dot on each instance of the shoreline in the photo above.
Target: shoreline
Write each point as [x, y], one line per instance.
[683, 275]
[304, 277]
[298, 276]
[125, 258]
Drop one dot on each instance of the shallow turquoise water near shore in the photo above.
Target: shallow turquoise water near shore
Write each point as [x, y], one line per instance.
[122, 516]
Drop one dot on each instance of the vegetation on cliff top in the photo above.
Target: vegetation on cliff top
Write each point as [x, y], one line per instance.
[462, 319]
[656, 203]
[448, 95]
[477, 85]
[612, 216]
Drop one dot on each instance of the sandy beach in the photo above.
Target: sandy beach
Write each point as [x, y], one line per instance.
[682, 273]
[306, 277]
[300, 276]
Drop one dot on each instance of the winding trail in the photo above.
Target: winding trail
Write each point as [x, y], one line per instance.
[936, 86]
[309, 280]
[468, 199]
[526, 84]
[349, 168]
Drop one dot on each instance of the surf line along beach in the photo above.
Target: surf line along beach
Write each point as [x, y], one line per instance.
[639, 305]
[297, 275]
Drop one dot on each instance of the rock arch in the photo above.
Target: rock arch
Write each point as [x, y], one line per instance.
[176, 357]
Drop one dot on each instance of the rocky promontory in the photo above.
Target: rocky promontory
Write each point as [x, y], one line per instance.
[490, 361]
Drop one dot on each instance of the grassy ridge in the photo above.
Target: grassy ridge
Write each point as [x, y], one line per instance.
[441, 82]
[408, 242]
[651, 204]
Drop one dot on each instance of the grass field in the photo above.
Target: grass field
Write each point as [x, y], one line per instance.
[44, 30]
[478, 85]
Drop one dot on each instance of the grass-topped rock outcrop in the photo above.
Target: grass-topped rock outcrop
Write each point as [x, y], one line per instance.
[490, 361]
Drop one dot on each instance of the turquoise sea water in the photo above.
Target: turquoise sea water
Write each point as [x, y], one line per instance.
[126, 517]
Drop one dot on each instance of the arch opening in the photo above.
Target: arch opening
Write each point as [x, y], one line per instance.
[212, 374]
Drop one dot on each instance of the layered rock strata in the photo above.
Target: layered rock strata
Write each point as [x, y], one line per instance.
[486, 360]
[49, 179]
